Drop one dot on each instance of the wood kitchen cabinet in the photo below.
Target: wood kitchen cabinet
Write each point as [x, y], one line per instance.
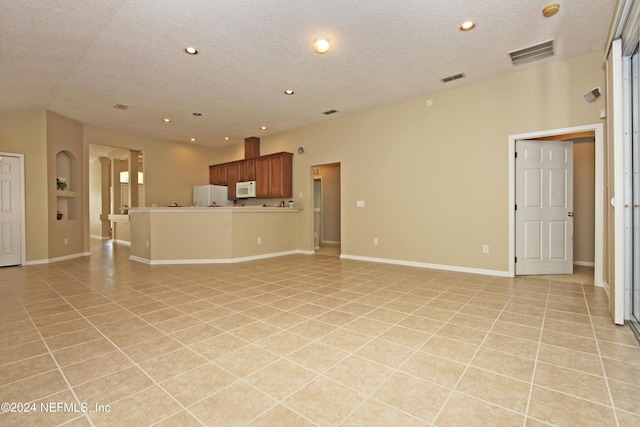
[233, 176]
[218, 174]
[262, 177]
[249, 170]
[274, 175]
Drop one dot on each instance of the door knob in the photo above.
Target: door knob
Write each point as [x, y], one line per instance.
[569, 213]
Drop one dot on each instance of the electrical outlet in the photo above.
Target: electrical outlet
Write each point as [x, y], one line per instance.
[375, 241]
[66, 241]
[485, 249]
[147, 243]
[259, 240]
[359, 203]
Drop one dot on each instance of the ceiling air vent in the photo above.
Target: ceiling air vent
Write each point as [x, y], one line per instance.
[533, 53]
[452, 78]
[330, 112]
[120, 107]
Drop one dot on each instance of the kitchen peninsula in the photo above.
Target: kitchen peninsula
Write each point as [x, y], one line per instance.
[201, 235]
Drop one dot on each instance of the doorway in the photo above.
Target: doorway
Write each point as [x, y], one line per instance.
[12, 221]
[113, 173]
[597, 132]
[326, 209]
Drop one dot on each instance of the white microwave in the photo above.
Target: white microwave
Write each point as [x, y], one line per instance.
[245, 189]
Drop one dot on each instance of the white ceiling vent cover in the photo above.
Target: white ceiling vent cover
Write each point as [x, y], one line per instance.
[533, 53]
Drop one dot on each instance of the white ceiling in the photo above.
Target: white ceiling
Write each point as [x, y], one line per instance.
[80, 58]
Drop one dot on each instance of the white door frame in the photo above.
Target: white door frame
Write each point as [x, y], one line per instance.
[23, 225]
[598, 129]
[321, 222]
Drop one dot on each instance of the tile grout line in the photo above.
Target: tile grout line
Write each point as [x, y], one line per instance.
[604, 371]
[308, 286]
[352, 353]
[55, 360]
[119, 349]
[535, 363]
[468, 364]
[414, 352]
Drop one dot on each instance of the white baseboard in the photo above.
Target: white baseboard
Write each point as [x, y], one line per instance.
[584, 263]
[62, 258]
[431, 266]
[217, 260]
[93, 236]
[330, 242]
[122, 242]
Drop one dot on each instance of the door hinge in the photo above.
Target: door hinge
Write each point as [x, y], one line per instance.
[516, 207]
[516, 154]
[516, 260]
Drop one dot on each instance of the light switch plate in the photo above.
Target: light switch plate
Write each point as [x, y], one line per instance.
[360, 204]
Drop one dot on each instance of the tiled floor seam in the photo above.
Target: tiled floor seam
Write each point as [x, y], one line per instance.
[59, 368]
[600, 357]
[120, 350]
[323, 374]
[468, 365]
[535, 363]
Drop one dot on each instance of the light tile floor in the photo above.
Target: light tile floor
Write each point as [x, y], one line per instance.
[306, 340]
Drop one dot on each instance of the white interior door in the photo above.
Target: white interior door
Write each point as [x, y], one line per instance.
[10, 211]
[544, 207]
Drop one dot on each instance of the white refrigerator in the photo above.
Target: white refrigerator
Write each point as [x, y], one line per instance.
[206, 195]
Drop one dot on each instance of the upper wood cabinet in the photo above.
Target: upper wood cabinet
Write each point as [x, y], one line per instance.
[233, 176]
[262, 177]
[218, 174]
[273, 175]
[250, 170]
[280, 175]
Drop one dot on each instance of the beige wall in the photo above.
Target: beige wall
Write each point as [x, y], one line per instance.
[584, 202]
[171, 168]
[69, 236]
[25, 132]
[211, 235]
[435, 179]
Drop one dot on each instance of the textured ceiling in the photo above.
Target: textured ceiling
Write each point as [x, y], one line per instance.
[80, 58]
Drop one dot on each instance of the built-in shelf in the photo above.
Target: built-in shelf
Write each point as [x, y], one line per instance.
[65, 193]
[66, 198]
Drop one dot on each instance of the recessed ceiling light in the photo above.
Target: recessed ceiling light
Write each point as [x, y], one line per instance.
[197, 114]
[191, 50]
[467, 26]
[289, 92]
[192, 140]
[263, 127]
[166, 120]
[321, 44]
[226, 138]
